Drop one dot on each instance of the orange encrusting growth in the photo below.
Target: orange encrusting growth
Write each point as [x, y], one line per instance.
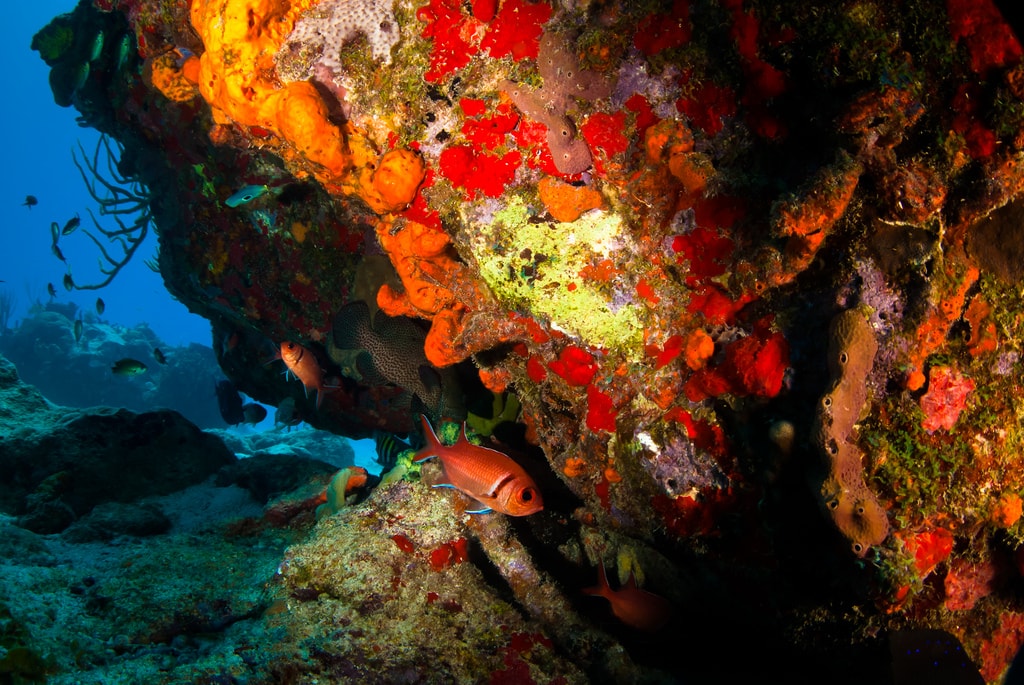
[932, 333]
[241, 38]
[430, 275]
[565, 201]
[236, 77]
[164, 74]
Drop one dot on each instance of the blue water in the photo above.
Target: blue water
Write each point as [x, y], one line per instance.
[37, 161]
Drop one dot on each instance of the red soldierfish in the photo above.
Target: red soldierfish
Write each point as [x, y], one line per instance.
[488, 476]
[304, 365]
[635, 607]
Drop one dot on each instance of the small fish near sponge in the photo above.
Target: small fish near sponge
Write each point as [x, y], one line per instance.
[490, 477]
[633, 606]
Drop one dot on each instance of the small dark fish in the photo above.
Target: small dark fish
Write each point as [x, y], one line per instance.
[286, 414]
[54, 231]
[388, 449]
[101, 306]
[128, 367]
[253, 413]
[30, 201]
[229, 402]
[50, 289]
[78, 330]
[72, 223]
[57, 253]
[69, 283]
[157, 352]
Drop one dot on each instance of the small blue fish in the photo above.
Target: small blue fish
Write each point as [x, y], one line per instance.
[124, 49]
[246, 194]
[97, 46]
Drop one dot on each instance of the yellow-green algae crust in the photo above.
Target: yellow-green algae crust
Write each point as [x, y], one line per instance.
[506, 250]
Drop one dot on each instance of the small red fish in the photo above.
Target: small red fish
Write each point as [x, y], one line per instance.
[301, 362]
[635, 607]
[488, 476]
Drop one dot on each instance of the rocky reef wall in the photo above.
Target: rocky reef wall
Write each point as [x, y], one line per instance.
[628, 227]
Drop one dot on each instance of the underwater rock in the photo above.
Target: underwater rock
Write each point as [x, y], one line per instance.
[111, 519]
[72, 460]
[77, 373]
[402, 569]
[996, 242]
[322, 446]
[268, 475]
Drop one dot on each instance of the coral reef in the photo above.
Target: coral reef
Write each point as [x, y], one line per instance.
[747, 267]
[76, 373]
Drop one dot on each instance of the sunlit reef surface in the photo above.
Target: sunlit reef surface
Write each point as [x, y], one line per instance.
[737, 282]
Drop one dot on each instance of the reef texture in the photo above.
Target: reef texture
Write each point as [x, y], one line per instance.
[77, 373]
[65, 462]
[640, 219]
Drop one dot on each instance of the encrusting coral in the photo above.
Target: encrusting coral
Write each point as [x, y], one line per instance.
[651, 223]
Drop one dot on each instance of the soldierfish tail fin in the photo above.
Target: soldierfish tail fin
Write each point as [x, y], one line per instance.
[602, 589]
[275, 357]
[433, 444]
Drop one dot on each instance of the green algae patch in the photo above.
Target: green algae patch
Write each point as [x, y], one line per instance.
[536, 266]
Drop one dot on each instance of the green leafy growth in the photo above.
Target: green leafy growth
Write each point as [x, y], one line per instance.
[54, 40]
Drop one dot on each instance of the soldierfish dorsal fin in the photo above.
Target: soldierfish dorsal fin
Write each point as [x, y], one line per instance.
[433, 444]
[602, 589]
[463, 438]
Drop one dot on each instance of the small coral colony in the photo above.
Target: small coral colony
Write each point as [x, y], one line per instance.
[696, 278]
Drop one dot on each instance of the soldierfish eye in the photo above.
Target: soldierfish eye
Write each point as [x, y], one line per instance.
[526, 495]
